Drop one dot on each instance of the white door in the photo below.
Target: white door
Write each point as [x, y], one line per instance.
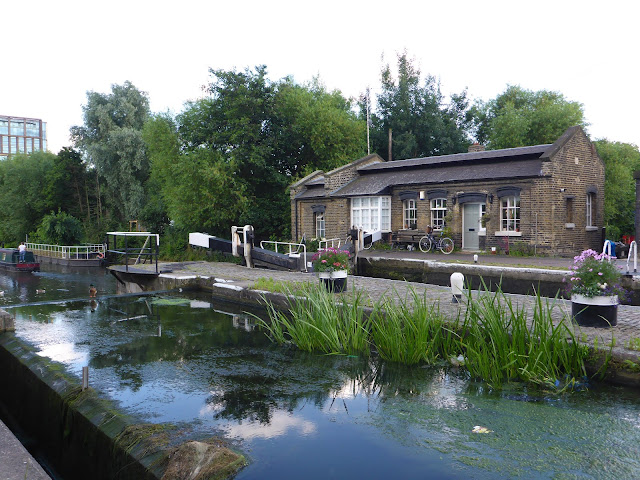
[471, 213]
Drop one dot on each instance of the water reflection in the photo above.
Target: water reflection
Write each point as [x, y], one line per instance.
[185, 359]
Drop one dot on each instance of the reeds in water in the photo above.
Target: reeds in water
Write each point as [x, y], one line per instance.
[497, 339]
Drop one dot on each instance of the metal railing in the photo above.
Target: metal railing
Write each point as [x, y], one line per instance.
[71, 252]
[289, 248]
[145, 252]
[633, 250]
[330, 243]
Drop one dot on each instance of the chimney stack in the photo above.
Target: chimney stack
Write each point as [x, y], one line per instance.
[476, 147]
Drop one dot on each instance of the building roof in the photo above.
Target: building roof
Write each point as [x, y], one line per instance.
[520, 153]
[380, 182]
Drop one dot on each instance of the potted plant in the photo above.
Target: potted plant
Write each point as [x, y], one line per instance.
[594, 286]
[332, 266]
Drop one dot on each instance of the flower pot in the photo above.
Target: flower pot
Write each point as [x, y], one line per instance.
[334, 281]
[599, 311]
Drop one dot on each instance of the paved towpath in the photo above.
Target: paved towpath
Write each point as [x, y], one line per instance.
[624, 335]
[15, 461]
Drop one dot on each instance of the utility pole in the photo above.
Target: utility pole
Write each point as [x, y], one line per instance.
[390, 142]
[368, 121]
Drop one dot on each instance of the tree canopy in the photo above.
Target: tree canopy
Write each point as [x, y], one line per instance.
[519, 118]
[247, 142]
[422, 122]
[620, 161]
[111, 140]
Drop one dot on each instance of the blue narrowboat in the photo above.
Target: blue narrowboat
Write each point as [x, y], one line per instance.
[10, 260]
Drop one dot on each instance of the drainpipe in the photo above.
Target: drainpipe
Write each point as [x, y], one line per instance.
[295, 209]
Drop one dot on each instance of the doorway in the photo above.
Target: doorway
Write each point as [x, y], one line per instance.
[471, 213]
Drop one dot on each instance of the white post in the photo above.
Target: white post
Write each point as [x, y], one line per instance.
[457, 285]
[633, 250]
[247, 240]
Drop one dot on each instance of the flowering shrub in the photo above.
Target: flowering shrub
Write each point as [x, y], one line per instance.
[593, 274]
[330, 260]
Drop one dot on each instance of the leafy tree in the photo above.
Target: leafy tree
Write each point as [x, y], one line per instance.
[23, 179]
[264, 135]
[519, 118]
[111, 138]
[620, 160]
[422, 123]
[60, 229]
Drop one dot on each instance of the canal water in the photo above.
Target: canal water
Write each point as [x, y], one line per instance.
[201, 365]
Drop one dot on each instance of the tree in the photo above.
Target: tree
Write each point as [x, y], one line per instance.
[23, 179]
[519, 118]
[111, 139]
[60, 229]
[620, 161]
[422, 123]
[264, 135]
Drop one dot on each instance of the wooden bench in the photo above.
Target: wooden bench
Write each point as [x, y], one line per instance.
[406, 238]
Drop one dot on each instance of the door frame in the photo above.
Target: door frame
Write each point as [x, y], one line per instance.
[479, 206]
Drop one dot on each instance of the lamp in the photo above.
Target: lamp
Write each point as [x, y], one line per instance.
[422, 195]
[454, 199]
[491, 198]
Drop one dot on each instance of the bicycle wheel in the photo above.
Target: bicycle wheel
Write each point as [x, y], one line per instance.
[446, 245]
[425, 244]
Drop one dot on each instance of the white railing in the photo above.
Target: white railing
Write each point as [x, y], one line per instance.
[73, 252]
[330, 243]
[633, 250]
[294, 250]
[607, 247]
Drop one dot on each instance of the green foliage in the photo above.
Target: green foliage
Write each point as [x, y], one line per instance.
[521, 249]
[412, 331]
[111, 138]
[621, 160]
[519, 117]
[317, 323]
[246, 143]
[499, 344]
[60, 229]
[23, 179]
[422, 121]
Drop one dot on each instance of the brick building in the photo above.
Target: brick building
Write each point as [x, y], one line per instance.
[547, 196]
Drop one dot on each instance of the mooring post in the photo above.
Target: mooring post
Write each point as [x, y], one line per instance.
[457, 284]
[85, 378]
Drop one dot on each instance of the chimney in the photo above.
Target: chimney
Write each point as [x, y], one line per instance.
[476, 147]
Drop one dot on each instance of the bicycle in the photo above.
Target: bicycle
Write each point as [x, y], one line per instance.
[444, 244]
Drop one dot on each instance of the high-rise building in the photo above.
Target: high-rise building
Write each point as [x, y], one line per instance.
[21, 135]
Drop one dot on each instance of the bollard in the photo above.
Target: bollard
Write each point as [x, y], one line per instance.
[475, 258]
[85, 378]
[457, 284]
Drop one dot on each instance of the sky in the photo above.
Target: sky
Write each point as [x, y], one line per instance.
[57, 51]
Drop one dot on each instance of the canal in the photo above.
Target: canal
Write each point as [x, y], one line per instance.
[201, 366]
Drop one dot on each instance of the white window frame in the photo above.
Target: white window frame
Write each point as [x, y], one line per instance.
[409, 212]
[371, 213]
[589, 209]
[320, 225]
[438, 208]
[510, 213]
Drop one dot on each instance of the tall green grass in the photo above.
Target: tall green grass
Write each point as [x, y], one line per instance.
[315, 322]
[412, 331]
[499, 345]
[495, 338]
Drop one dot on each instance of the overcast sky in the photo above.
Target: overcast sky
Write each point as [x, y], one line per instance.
[56, 51]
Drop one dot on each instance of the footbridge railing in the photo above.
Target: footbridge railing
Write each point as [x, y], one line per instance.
[71, 252]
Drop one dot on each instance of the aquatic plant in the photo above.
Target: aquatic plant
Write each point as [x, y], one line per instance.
[413, 331]
[315, 322]
[501, 345]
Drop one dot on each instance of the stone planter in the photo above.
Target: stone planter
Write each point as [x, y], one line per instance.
[599, 311]
[334, 281]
